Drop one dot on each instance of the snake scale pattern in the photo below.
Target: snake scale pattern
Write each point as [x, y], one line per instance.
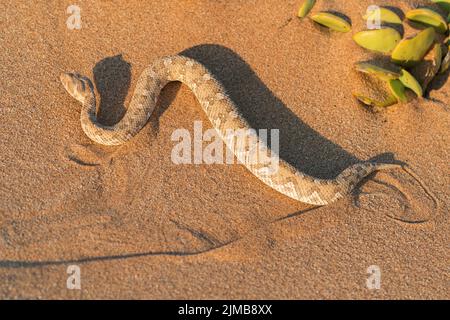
[224, 116]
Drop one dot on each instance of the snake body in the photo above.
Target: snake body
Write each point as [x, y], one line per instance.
[224, 116]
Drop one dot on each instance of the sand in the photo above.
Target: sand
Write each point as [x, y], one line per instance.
[139, 226]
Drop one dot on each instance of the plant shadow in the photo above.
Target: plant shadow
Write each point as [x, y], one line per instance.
[439, 81]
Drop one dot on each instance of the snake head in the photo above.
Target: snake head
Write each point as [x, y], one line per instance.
[77, 86]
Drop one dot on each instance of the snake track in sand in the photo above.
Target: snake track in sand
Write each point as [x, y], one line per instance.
[224, 117]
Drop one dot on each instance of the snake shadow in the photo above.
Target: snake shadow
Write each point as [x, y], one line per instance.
[299, 144]
[112, 78]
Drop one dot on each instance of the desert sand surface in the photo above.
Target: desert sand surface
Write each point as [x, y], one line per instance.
[141, 227]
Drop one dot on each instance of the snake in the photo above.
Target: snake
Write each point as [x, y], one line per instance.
[226, 119]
